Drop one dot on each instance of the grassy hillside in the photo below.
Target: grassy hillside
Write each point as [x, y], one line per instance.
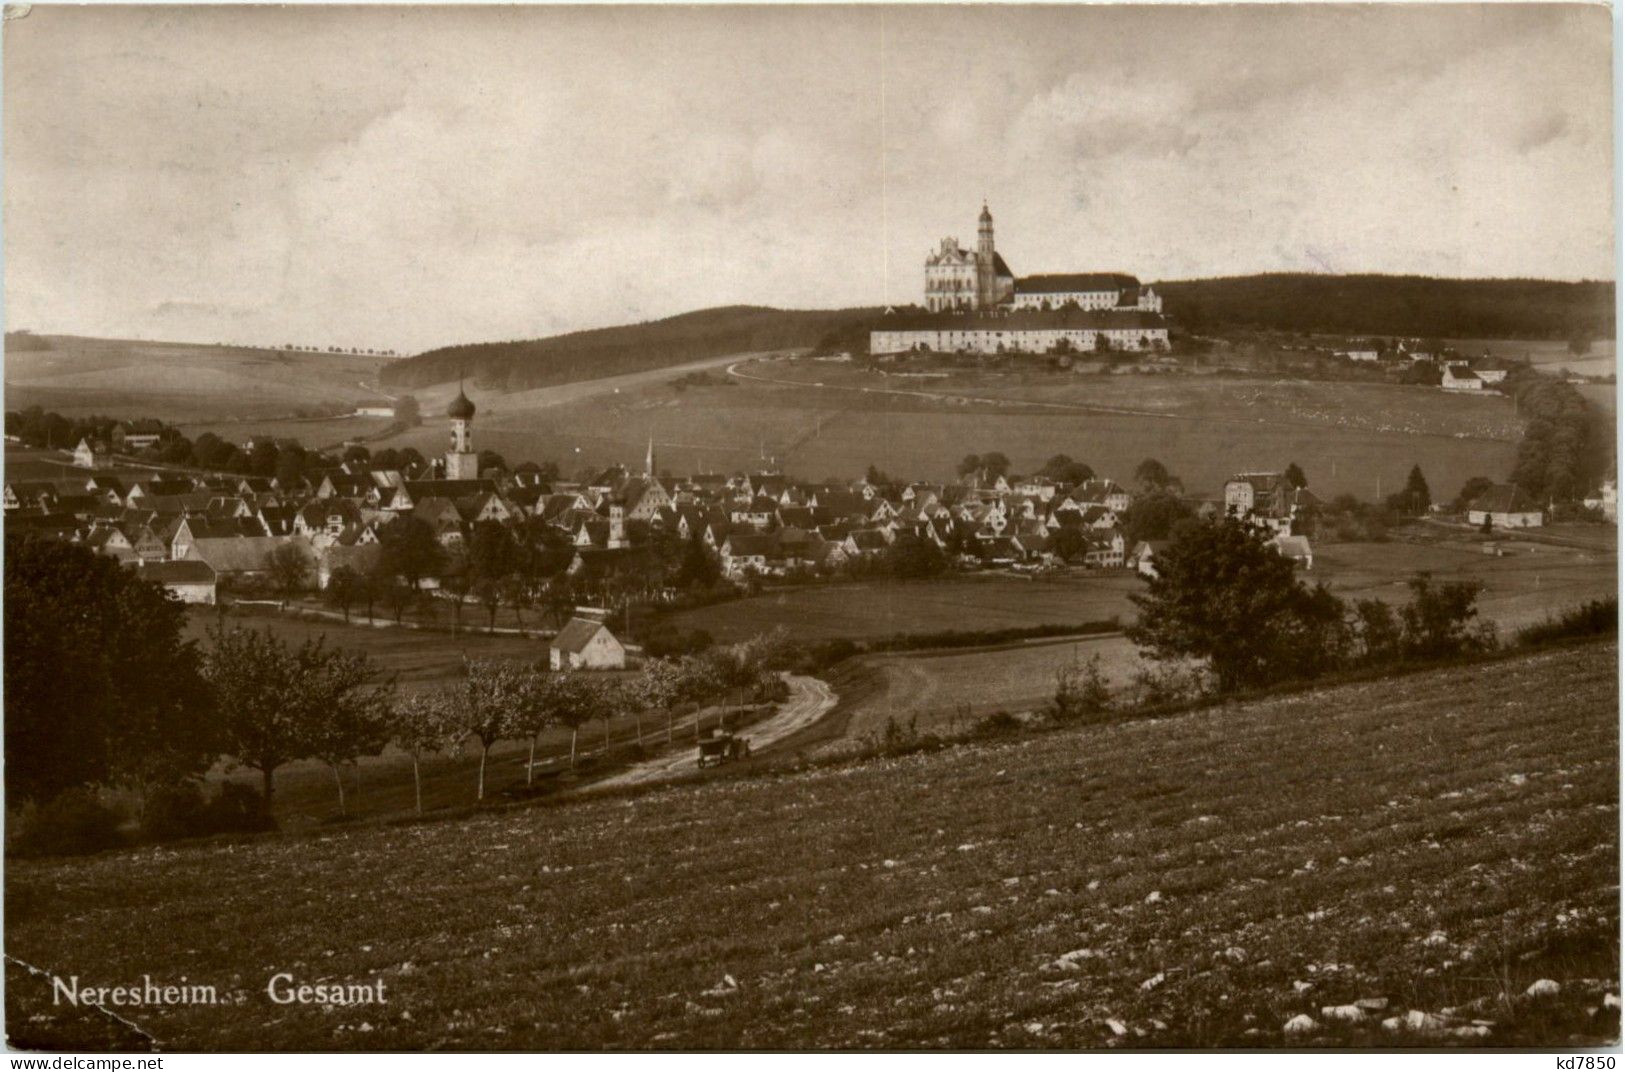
[582, 355]
[1433, 841]
[181, 382]
[1409, 305]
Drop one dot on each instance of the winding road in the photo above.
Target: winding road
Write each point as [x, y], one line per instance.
[810, 700]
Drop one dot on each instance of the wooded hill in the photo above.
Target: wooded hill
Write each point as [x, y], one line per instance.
[1408, 305]
[1355, 304]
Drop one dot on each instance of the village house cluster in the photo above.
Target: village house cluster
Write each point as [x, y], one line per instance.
[191, 531]
[1456, 373]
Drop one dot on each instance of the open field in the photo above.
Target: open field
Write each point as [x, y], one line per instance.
[822, 432]
[1558, 567]
[419, 658]
[863, 610]
[1191, 394]
[1436, 840]
[949, 692]
[181, 382]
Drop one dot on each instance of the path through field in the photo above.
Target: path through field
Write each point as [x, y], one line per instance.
[810, 700]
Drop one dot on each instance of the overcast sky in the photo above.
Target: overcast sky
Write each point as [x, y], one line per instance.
[412, 177]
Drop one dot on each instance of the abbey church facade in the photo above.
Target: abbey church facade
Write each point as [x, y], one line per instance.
[974, 302]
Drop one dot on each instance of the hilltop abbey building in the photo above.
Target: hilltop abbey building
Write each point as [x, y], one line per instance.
[973, 302]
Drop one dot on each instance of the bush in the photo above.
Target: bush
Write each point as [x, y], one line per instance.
[1081, 692]
[237, 809]
[1167, 686]
[1594, 618]
[70, 824]
[998, 724]
[172, 812]
[182, 811]
[669, 641]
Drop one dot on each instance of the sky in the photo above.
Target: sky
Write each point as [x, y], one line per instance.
[412, 177]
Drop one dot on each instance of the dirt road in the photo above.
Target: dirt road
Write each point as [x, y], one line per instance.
[810, 699]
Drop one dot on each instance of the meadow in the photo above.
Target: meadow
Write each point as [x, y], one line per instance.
[1428, 845]
[180, 382]
[1552, 569]
[959, 603]
[417, 658]
[1341, 434]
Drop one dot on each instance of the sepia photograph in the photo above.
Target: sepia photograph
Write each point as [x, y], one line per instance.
[807, 528]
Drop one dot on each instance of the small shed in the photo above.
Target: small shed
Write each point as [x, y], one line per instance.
[188, 581]
[586, 643]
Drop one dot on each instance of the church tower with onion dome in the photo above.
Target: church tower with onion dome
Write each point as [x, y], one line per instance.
[461, 461]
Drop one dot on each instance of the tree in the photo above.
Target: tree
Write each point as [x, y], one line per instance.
[408, 548]
[491, 692]
[490, 593]
[491, 551]
[911, 557]
[516, 593]
[345, 588]
[532, 714]
[1152, 516]
[456, 585]
[610, 700]
[661, 687]
[1471, 490]
[570, 702]
[254, 678]
[1152, 475]
[407, 413]
[289, 567]
[1224, 595]
[1415, 499]
[1294, 476]
[1436, 618]
[396, 596]
[99, 684]
[345, 708]
[995, 465]
[425, 724]
[698, 568]
[1063, 470]
[1378, 630]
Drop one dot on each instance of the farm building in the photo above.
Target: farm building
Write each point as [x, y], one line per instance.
[1506, 507]
[1142, 559]
[190, 582]
[585, 643]
[86, 456]
[1460, 378]
[1296, 548]
[243, 556]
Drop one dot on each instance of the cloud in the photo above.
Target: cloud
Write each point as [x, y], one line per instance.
[1538, 130]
